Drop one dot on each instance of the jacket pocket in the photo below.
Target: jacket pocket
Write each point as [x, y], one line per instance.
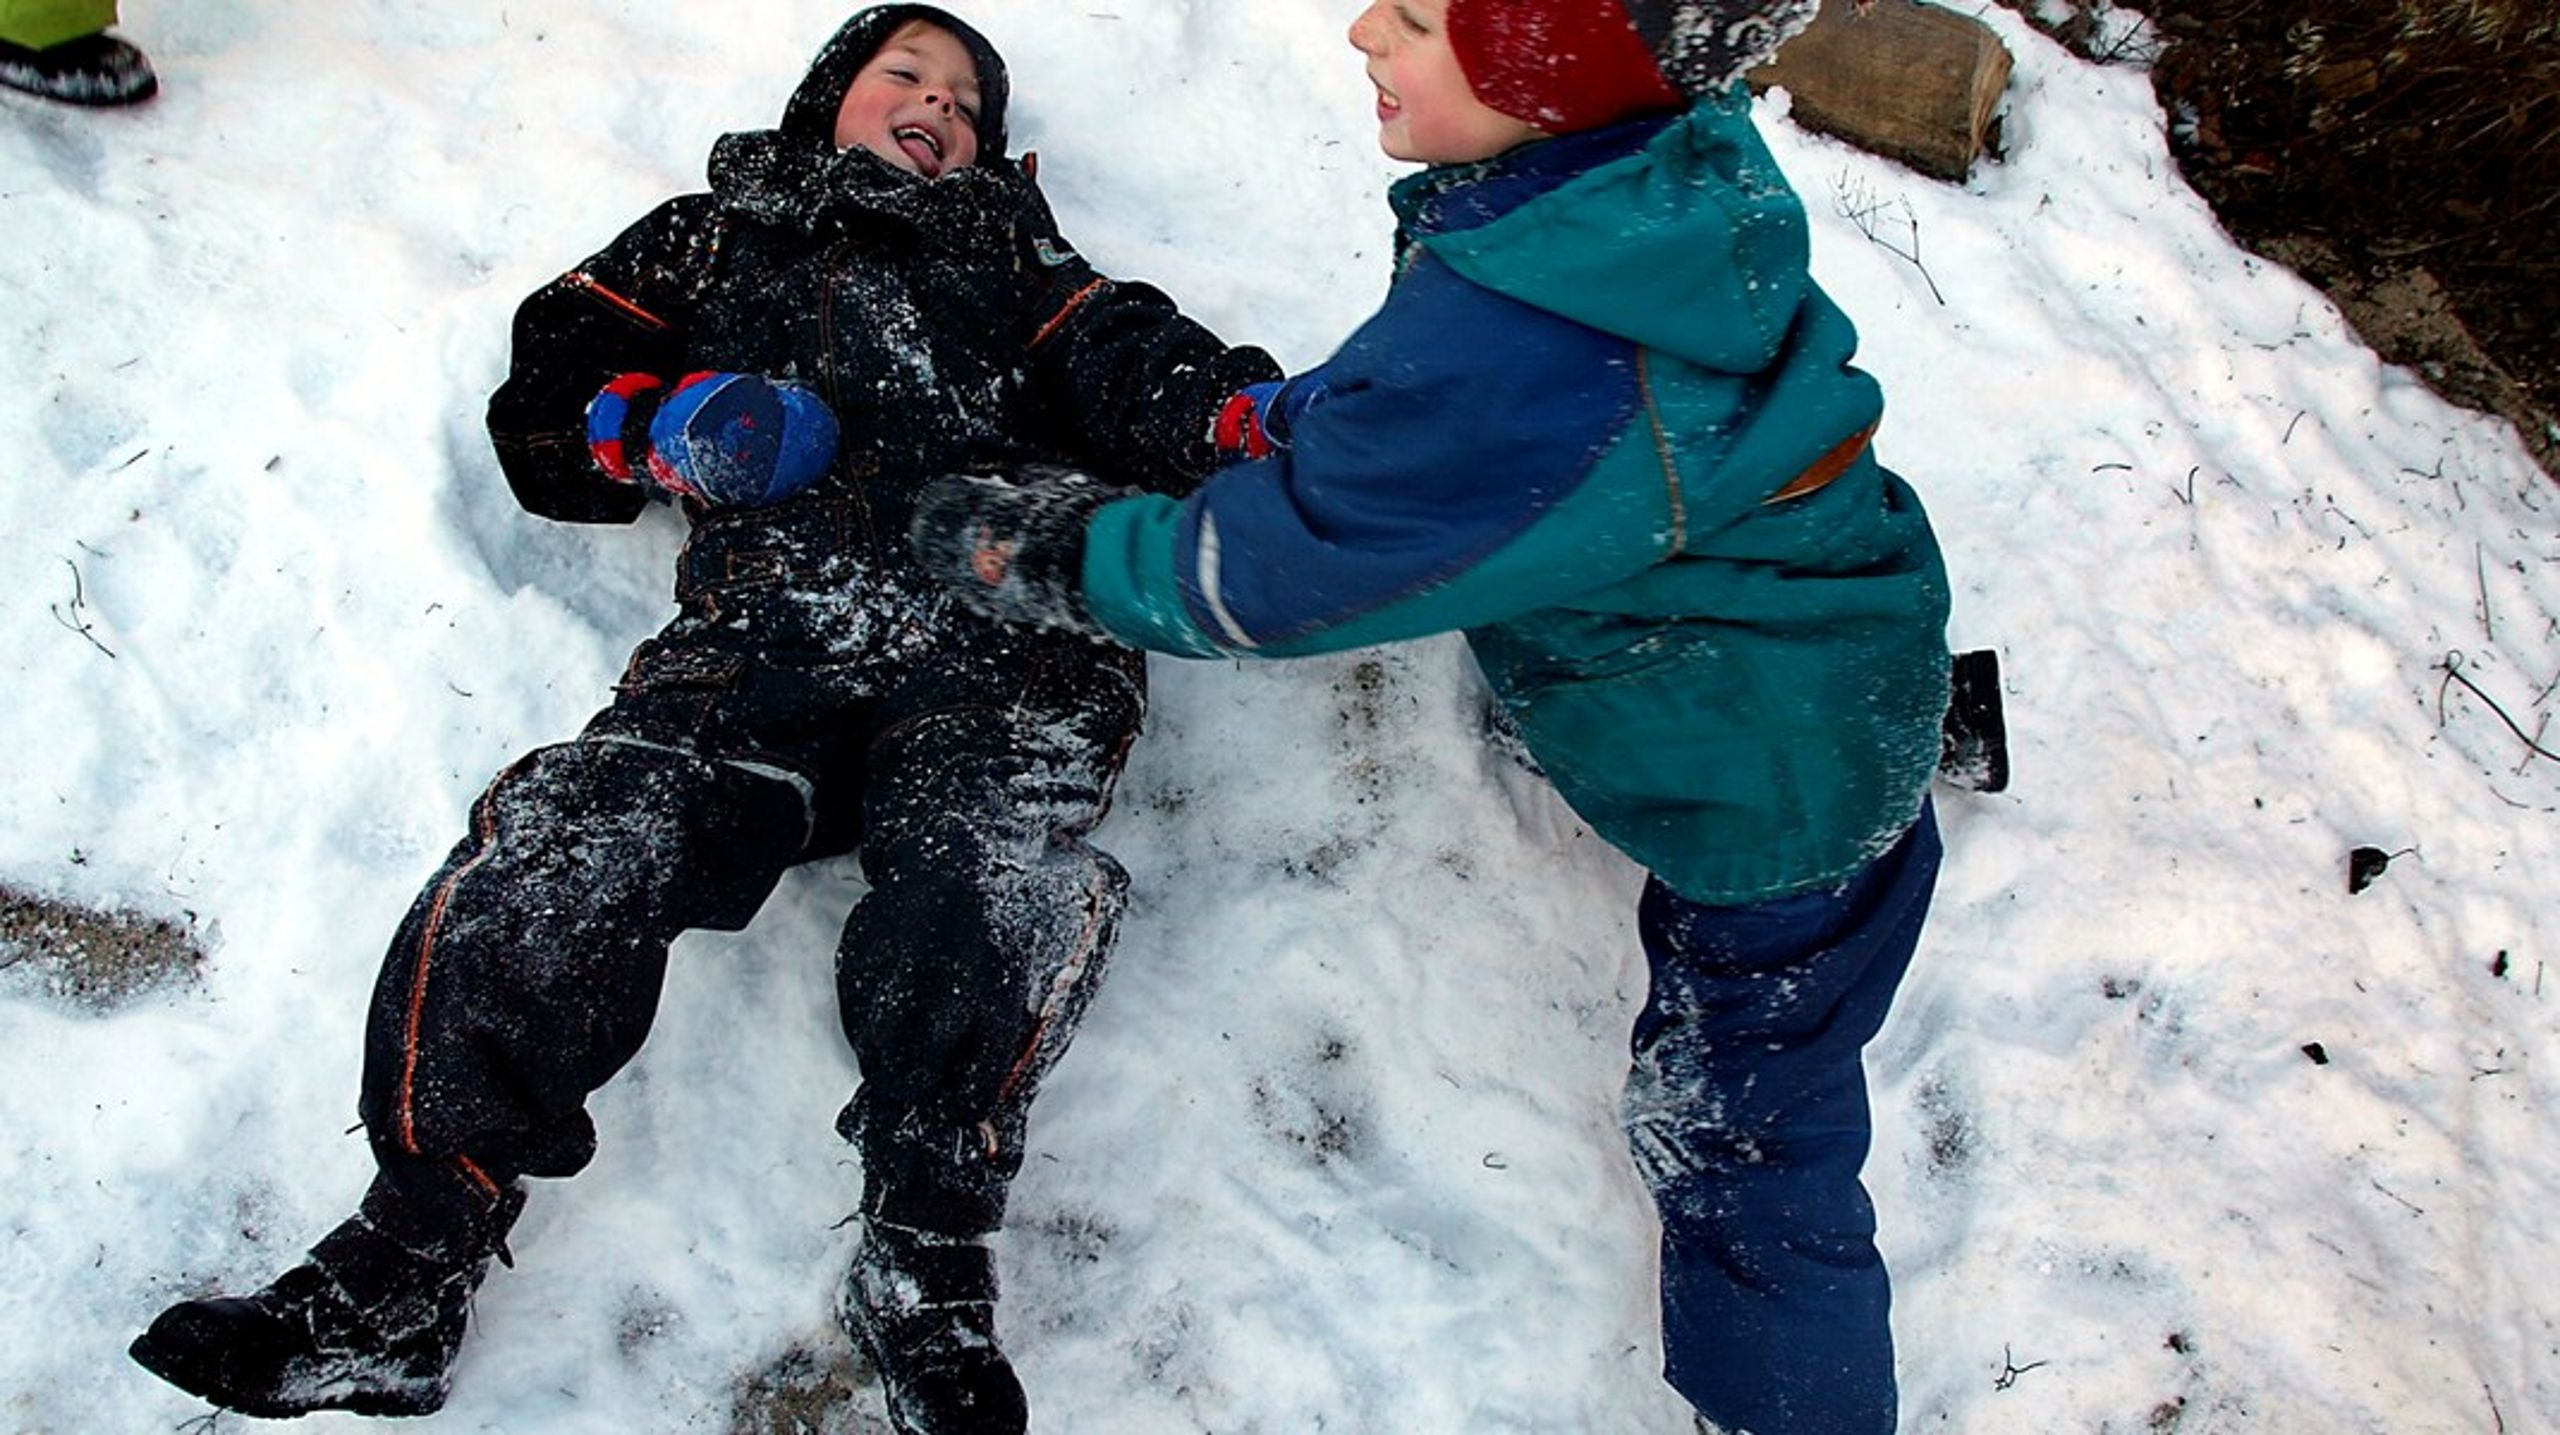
[658, 667]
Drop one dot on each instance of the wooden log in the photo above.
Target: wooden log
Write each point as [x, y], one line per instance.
[1911, 81]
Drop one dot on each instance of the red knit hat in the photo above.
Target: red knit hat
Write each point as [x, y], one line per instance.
[1566, 65]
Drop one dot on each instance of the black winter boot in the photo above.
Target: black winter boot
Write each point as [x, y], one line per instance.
[369, 1324]
[1973, 744]
[922, 1306]
[92, 70]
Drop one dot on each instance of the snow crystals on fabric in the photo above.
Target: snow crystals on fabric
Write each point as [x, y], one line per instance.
[1709, 46]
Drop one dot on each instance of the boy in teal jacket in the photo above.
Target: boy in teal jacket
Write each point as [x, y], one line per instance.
[1606, 426]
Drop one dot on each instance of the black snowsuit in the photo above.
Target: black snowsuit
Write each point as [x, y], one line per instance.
[816, 693]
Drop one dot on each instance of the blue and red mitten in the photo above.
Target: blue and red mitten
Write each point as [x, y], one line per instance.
[1256, 422]
[734, 440]
[618, 424]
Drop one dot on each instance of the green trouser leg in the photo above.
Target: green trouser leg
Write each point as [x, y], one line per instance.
[37, 24]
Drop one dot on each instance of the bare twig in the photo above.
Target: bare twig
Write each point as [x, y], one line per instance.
[2480, 572]
[1856, 204]
[2011, 1369]
[2415, 1210]
[2130, 45]
[74, 621]
[2451, 667]
[2351, 522]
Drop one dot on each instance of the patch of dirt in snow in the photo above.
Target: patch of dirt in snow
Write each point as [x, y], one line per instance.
[95, 959]
[809, 1391]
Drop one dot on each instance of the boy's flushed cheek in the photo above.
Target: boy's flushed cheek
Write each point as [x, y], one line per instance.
[849, 120]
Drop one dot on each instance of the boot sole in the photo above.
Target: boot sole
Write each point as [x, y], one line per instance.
[311, 1393]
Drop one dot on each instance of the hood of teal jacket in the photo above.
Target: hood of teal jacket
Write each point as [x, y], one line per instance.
[1628, 248]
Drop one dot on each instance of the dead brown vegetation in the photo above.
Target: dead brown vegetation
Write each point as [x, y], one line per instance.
[2403, 154]
[809, 1390]
[96, 959]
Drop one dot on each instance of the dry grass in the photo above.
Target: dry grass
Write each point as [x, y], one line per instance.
[2448, 108]
[809, 1391]
[2385, 148]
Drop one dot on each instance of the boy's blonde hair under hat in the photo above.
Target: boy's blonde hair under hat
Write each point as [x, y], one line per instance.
[1566, 65]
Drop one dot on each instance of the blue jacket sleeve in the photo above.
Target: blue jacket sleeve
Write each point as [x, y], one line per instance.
[1440, 485]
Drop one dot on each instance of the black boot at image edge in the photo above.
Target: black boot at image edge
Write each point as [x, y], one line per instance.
[921, 1306]
[369, 1325]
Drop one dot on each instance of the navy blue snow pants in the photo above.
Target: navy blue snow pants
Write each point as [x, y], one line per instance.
[1747, 1113]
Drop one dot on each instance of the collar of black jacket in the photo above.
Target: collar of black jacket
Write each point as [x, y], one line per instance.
[796, 182]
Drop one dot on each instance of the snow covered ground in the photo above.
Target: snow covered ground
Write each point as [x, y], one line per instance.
[1336, 1150]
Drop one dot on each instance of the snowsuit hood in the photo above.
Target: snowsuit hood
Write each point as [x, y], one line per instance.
[811, 114]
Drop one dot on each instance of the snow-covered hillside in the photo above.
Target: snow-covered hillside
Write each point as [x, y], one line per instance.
[1336, 1150]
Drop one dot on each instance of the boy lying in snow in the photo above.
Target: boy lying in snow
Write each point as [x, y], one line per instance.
[869, 294]
[1606, 425]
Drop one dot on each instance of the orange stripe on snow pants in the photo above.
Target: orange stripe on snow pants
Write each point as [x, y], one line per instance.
[484, 823]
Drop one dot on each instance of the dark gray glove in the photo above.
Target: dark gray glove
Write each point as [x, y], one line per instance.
[1012, 547]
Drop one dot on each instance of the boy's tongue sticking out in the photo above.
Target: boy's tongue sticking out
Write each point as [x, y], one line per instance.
[923, 148]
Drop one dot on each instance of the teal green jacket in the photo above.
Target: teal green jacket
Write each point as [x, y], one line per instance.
[1605, 425]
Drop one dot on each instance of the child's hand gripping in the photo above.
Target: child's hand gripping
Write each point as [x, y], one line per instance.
[1011, 548]
[1257, 422]
[734, 440]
